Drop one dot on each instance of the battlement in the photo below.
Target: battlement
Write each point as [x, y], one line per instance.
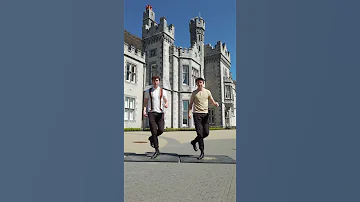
[220, 48]
[197, 22]
[154, 28]
[131, 50]
[191, 52]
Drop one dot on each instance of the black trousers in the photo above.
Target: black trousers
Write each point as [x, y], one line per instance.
[201, 121]
[156, 122]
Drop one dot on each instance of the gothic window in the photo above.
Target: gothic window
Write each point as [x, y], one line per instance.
[130, 72]
[185, 75]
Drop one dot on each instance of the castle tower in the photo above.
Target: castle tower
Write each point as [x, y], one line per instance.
[157, 39]
[148, 17]
[197, 33]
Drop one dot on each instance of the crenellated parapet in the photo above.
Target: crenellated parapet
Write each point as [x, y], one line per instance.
[197, 22]
[131, 51]
[154, 29]
[161, 37]
[181, 52]
[220, 48]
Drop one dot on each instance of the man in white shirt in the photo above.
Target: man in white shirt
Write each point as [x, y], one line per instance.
[155, 100]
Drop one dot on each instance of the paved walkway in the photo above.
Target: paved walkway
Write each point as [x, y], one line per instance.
[180, 182]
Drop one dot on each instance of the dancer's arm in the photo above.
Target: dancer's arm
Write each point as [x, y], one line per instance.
[212, 100]
[166, 104]
[146, 100]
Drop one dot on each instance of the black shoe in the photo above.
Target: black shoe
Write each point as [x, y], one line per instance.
[151, 142]
[155, 154]
[194, 145]
[201, 156]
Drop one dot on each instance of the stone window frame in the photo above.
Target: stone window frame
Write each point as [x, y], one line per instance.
[128, 108]
[153, 66]
[195, 73]
[187, 113]
[153, 52]
[187, 75]
[227, 91]
[132, 74]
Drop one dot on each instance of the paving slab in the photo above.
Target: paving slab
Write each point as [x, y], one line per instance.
[215, 159]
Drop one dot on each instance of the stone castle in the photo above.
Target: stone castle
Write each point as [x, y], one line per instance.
[155, 53]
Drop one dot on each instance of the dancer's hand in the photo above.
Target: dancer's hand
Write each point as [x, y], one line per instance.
[216, 104]
[166, 105]
[144, 113]
[189, 116]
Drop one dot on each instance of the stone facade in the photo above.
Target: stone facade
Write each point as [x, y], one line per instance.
[134, 71]
[156, 54]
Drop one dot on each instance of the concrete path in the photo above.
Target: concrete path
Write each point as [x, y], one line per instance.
[177, 182]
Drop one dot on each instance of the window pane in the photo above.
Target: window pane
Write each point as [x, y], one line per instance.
[132, 103]
[185, 74]
[127, 75]
[133, 69]
[126, 114]
[133, 76]
[227, 91]
[185, 78]
[185, 105]
[131, 115]
[126, 103]
[185, 118]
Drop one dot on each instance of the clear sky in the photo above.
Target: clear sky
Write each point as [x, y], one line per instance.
[219, 16]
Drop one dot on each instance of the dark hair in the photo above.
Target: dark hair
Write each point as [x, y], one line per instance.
[199, 79]
[155, 77]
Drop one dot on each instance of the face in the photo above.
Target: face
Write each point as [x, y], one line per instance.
[200, 83]
[156, 82]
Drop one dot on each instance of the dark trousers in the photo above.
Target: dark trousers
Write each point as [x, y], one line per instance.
[201, 121]
[156, 122]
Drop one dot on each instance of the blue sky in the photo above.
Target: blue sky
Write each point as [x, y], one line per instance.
[219, 16]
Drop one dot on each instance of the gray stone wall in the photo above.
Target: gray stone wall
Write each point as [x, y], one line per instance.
[214, 83]
[152, 45]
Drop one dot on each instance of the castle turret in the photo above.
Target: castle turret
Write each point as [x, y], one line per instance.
[157, 40]
[148, 17]
[197, 34]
